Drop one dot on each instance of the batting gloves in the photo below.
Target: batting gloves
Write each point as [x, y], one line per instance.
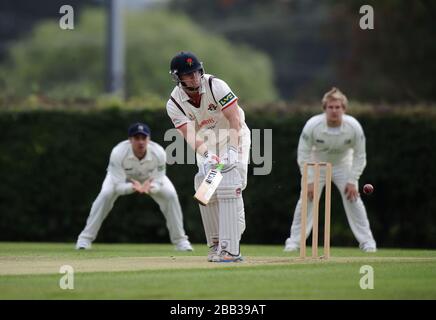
[231, 157]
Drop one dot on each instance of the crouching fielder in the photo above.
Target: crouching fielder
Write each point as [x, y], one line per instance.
[137, 165]
[205, 111]
[339, 139]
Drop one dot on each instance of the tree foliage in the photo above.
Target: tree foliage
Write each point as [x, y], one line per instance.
[394, 62]
[62, 63]
[317, 44]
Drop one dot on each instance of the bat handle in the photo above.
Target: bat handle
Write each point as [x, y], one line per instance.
[219, 166]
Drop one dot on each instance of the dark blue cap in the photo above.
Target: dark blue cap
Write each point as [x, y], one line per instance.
[139, 128]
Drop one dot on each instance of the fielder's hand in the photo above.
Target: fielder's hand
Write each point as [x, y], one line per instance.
[310, 191]
[146, 186]
[351, 192]
[141, 188]
[137, 186]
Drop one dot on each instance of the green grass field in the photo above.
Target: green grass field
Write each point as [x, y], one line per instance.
[156, 271]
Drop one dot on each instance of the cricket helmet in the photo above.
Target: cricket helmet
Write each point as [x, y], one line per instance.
[184, 63]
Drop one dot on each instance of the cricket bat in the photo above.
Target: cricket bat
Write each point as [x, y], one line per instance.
[209, 185]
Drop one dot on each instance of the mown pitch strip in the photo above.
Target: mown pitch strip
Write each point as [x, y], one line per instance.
[41, 265]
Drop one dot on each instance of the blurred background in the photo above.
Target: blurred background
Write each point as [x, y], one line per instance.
[66, 99]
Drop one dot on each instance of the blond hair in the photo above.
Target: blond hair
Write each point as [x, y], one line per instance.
[335, 94]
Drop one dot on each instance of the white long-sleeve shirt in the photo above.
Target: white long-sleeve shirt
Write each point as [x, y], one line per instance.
[124, 165]
[343, 146]
[210, 123]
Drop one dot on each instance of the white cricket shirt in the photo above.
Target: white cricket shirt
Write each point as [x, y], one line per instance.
[343, 146]
[124, 165]
[210, 123]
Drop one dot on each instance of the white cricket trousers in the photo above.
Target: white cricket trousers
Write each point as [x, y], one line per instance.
[166, 198]
[355, 211]
[224, 217]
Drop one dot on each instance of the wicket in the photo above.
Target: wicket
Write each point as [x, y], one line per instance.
[315, 211]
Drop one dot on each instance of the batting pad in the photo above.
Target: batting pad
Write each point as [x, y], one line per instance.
[209, 215]
[231, 211]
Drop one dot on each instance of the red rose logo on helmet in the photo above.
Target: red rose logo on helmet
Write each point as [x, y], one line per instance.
[189, 61]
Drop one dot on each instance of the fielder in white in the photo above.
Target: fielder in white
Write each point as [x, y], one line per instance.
[339, 139]
[205, 111]
[137, 165]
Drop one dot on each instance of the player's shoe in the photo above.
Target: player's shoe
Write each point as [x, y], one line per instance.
[83, 245]
[213, 251]
[369, 249]
[224, 256]
[290, 246]
[184, 245]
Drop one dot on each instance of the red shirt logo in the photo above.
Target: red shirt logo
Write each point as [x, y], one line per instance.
[206, 122]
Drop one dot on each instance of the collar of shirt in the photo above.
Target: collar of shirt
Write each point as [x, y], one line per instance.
[184, 95]
[325, 126]
[131, 156]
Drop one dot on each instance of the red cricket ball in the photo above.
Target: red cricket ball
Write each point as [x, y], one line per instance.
[368, 188]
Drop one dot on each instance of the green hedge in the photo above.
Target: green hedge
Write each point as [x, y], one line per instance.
[52, 165]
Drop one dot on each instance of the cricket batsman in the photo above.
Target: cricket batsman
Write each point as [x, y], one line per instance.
[339, 139]
[206, 112]
[137, 165]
